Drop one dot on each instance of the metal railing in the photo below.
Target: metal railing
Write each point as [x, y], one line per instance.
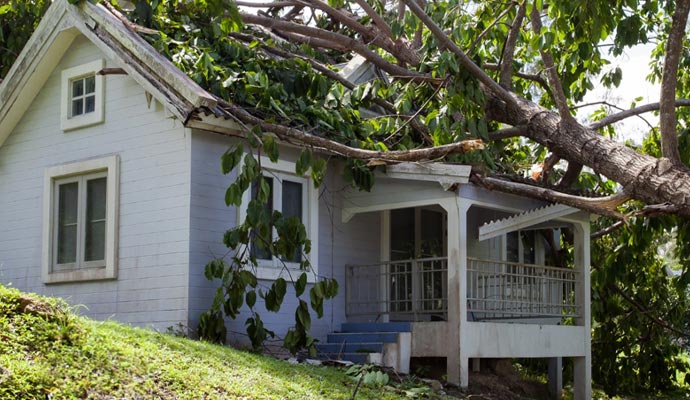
[408, 289]
[507, 290]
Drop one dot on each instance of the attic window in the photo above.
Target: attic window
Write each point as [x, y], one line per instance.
[83, 99]
[82, 96]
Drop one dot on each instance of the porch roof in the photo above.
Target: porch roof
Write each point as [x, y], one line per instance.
[524, 220]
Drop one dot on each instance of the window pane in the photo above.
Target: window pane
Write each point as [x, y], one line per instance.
[90, 84]
[68, 197]
[258, 249]
[292, 207]
[94, 243]
[90, 104]
[77, 107]
[77, 87]
[512, 247]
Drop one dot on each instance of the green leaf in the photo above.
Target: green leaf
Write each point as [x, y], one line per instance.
[231, 158]
[250, 298]
[301, 284]
[303, 162]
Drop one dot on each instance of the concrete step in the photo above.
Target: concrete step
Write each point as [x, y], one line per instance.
[349, 347]
[362, 337]
[376, 327]
[357, 358]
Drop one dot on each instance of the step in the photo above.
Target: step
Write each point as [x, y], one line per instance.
[376, 327]
[362, 337]
[357, 358]
[349, 347]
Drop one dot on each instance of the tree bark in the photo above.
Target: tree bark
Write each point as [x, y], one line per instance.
[645, 178]
[669, 80]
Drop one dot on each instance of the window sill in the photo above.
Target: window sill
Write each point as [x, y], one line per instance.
[80, 275]
[273, 273]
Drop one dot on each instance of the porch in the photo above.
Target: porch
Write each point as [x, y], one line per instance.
[476, 274]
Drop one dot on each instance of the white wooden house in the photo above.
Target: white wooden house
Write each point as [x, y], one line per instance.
[112, 197]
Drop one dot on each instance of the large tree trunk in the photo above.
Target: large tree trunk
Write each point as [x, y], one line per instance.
[643, 177]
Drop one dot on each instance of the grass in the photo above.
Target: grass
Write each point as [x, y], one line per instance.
[46, 351]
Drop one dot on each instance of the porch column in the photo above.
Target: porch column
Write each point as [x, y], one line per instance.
[582, 383]
[457, 362]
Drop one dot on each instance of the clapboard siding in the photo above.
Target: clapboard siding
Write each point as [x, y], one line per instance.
[339, 244]
[154, 152]
[209, 217]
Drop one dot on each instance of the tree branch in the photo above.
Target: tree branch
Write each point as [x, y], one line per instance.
[669, 80]
[486, 30]
[273, 4]
[613, 118]
[369, 33]
[339, 41]
[464, 60]
[599, 205]
[291, 134]
[532, 77]
[375, 17]
[554, 79]
[506, 133]
[505, 77]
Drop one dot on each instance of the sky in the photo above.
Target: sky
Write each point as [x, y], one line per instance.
[635, 66]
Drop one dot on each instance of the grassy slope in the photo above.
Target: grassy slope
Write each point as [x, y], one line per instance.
[45, 349]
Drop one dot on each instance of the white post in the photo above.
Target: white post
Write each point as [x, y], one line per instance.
[384, 269]
[457, 361]
[463, 207]
[583, 365]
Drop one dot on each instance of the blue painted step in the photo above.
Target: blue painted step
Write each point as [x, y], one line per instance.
[363, 337]
[376, 327]
[348, 347]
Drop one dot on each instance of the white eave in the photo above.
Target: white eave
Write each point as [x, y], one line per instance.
[524, 220]
[56, 32]
[445, 174]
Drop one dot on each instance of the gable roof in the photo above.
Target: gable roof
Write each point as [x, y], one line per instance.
[62, 23]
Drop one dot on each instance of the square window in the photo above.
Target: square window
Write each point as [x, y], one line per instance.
[82, 96]
[80, 220]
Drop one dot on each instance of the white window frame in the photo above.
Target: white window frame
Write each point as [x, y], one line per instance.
[79, 172]
[273, 269]
[69, 122]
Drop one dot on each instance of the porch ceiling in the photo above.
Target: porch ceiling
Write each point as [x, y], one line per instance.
[407, 185]
[524, 220]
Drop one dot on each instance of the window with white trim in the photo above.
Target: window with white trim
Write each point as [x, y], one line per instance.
[293, 196]
[80, 220]
[82, 94]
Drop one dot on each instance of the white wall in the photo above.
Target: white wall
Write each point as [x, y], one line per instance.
[154, 198]
[339, 244]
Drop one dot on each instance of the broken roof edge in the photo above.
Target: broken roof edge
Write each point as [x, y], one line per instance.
[52, 38]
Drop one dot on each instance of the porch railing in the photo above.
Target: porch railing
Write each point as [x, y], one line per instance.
[507, 290]
[416, 290]
[403, 290]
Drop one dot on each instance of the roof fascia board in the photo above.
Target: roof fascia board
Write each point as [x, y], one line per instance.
[140, 59]
[33, 66]
[445, 174]
[524, 220]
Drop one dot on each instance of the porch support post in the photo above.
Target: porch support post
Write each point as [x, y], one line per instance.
[556, 377]
[457, 363]
[582, 383]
